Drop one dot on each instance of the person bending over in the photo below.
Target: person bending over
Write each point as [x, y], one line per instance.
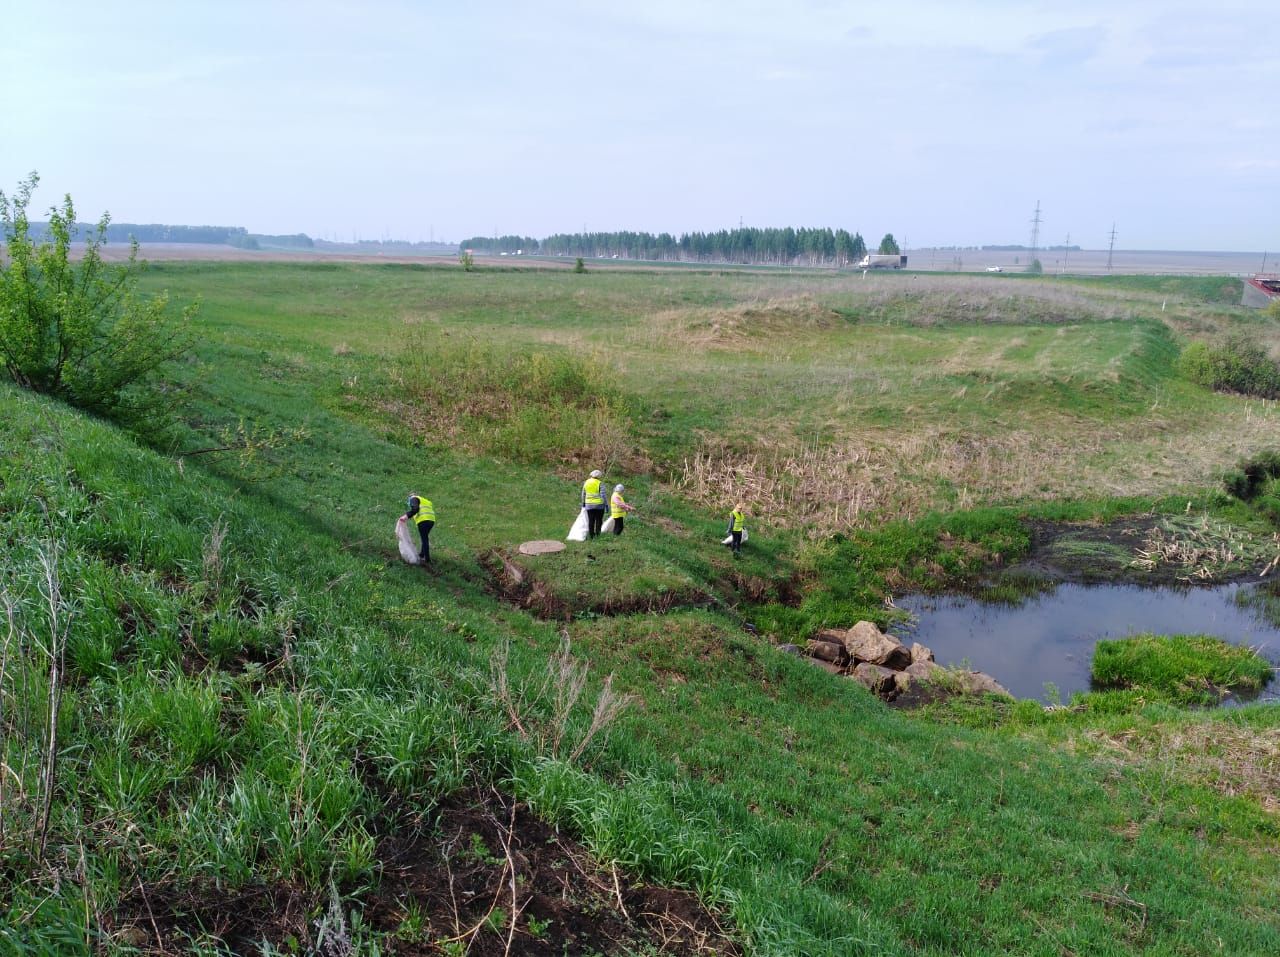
[423, 514]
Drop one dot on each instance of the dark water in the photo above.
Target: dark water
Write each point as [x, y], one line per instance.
[1050, 638]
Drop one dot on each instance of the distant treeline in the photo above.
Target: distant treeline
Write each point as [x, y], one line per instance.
[236, 236]
[749, 245]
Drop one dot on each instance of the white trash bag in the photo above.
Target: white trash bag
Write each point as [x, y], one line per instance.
[728, 539]
[578, 532]
[404, 538]
[607, 527]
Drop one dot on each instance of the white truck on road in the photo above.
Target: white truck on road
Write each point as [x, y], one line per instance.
[883, 261]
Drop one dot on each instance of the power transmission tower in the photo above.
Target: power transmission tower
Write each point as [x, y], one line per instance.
[1112, 247]
[1035, 231]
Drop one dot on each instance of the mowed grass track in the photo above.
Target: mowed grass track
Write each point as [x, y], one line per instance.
[823, 822]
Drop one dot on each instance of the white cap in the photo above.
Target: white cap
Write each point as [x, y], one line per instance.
[619, 488]
[595, 473]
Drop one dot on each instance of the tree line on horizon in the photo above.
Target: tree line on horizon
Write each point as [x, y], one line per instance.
[746, 245]
[236, 236]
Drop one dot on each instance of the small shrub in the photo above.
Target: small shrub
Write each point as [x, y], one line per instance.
[1250, 477]
[1187, 669]
[1238, 364]
[76, 327]
[466, 260]
[579, 266]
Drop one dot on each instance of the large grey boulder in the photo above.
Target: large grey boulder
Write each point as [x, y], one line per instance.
[865, 642]
[979, 682]
[875, 678]
[923, 670]
[826, 650]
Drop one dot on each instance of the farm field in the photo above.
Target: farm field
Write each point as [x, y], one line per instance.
[1083, 262]
[262, 701]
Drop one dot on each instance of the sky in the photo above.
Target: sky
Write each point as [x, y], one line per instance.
[944, 123]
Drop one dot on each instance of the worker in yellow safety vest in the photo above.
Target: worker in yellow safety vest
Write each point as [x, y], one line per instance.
[423, 514]
[593, 502]
[618, 508]
[737, 522]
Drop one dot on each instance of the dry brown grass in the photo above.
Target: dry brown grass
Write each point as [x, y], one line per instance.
[747, 325]
[1232, 760]
[847, 484]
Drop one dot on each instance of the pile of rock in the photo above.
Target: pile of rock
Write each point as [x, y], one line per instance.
[885, 665]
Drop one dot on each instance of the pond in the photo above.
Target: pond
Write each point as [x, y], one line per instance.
[1049, 638]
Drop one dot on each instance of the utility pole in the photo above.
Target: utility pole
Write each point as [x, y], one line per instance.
[1112, 247]
[1066, 254]
[1035, 231]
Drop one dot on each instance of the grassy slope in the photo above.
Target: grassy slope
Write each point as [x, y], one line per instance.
[832, 824]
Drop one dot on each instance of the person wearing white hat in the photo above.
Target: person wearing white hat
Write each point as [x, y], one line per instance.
[593, 502]
[618, 508]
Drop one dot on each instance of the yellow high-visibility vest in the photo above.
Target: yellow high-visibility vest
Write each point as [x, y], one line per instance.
[426, 511]
[591, 489]
[616, 506]
[738, 519]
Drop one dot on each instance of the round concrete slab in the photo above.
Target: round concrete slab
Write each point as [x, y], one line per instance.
[542, 547]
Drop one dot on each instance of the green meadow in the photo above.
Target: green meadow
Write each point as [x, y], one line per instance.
[256, 695]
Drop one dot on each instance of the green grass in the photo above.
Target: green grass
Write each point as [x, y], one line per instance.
[247, 714]
[1187, 669]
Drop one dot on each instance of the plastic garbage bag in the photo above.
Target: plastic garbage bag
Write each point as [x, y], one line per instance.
[404, 538]
[728, 539]
[578, 532]
[607, 527]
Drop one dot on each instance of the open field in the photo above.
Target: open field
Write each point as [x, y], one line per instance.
[263, 704]
[1084, 262]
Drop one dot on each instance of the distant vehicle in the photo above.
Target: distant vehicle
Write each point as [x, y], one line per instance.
[883, 261]
[995, 269]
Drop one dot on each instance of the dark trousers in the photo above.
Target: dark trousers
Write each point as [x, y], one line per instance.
[424, 531]
[595, 518]
[737, 542]
[617, 525]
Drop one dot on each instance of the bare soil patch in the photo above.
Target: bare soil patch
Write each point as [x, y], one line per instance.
[480, 874]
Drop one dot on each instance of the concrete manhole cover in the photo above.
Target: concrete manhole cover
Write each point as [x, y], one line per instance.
[543, 547]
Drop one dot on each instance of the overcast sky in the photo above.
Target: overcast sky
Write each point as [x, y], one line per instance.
[941, 122]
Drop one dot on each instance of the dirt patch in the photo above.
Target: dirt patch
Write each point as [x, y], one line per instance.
[481, 875]
[499, 880]
[165, 918]
[1149, 550]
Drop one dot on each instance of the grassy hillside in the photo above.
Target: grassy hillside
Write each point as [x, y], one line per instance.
[259, 697]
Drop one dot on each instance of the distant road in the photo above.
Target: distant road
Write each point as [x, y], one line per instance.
[1084, 262]
[1094, 261]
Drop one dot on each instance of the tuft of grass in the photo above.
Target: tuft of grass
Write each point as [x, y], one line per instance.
[528, 406]
[1187, 669]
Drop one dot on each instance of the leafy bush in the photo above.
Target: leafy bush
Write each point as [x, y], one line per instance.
[1239, 364]
[1188, 669]
[79, 330]
[1247, 479]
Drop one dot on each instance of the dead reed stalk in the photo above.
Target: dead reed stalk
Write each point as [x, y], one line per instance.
[541, 712]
